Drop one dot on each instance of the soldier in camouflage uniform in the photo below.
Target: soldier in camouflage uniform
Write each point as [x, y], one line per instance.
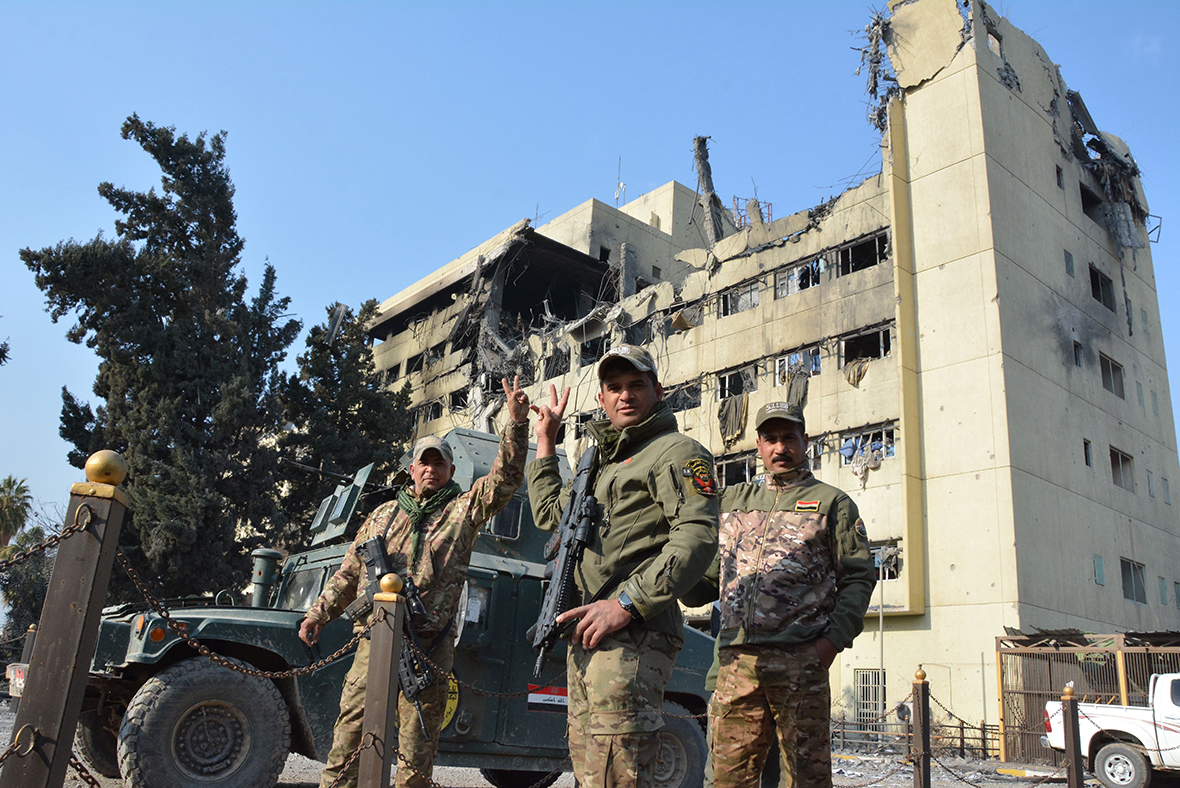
[795, 577]
[429, 533]
[655, 535]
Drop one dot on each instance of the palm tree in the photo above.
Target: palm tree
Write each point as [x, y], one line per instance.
[15, 506]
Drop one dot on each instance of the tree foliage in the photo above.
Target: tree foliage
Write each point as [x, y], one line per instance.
[188, 376]
[340, 416]
[16, 503]
[25, 585]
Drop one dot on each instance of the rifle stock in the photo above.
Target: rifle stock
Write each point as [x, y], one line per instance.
[577, 523]
[414, 674]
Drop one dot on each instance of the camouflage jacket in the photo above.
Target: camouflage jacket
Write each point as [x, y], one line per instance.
[793, 565]
[443, 544]
[657, 526]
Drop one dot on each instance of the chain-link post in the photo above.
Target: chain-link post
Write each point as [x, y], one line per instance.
[381, 692]
[921, 753]
[1074, 776]
[59, 664]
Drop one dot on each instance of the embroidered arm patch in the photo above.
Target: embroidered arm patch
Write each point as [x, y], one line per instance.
[698, 476]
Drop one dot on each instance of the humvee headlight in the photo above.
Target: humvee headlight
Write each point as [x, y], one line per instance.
[156, 634]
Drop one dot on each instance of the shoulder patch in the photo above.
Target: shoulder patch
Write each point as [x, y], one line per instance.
[859, 525]
[698, 474]
[806, 506]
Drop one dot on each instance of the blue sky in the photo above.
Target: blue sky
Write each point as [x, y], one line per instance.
[372, 142]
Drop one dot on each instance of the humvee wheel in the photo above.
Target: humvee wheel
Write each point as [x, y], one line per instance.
[681, 762]
[98, 745]
[200, 725]
[514, 778]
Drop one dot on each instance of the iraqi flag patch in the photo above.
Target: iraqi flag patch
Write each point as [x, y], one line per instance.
[554, 699]
[806, 506]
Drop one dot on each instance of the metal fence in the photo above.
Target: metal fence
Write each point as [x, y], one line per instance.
[1034, 669]
[957, 739]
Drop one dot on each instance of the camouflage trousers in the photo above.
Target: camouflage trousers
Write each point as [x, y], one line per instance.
[414, 747]
[761, 689]
[616, 698]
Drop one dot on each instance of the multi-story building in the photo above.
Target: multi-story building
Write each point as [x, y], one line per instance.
[974, 333]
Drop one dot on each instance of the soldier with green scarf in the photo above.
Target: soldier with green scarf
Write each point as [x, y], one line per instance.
[429, 532]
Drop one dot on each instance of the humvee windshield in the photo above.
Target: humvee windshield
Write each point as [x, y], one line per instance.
[303, 588]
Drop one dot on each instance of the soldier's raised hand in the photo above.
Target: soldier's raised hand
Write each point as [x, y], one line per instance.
[518, 401]
[549, 420]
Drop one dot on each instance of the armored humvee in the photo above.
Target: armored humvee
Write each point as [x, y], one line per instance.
[164, 716]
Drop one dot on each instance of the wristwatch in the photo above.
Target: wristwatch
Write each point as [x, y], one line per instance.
[626, 603]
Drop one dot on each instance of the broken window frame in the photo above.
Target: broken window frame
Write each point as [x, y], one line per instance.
[809, 355]
[556, 363]
[639, 332]
[815, 455]
[1122, 469]
[684, 397]
[1113, 378]
[432, 410]
[742, 380]
[856, 256]
[1134, 580]
[886, 555]
[886, 434]
[582, 420]
[794, 278]
[884, 344]
[736, 468]
[457, 400]
[1101, 288]
[590, 351]
[739, 298]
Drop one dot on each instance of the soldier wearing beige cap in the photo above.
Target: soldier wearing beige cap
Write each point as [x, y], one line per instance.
[795, 576]
[655, 536]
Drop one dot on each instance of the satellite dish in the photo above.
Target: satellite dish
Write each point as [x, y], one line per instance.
[903, 713]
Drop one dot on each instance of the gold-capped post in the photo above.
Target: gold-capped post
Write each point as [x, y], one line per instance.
[106, 467]
[1067, 692]
[391, 583]
[919, 674]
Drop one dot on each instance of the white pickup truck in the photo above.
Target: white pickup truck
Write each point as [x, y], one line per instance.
[1123, 744]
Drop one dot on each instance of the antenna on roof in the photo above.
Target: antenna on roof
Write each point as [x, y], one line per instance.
[620, 187]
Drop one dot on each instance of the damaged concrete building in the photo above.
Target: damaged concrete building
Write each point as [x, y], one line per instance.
[974, 333]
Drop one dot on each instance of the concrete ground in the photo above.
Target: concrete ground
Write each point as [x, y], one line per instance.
[849, 771]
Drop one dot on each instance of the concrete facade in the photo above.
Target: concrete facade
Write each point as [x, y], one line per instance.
[977, 327]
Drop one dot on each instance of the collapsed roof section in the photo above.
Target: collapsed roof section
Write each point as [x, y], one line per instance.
[923, 37]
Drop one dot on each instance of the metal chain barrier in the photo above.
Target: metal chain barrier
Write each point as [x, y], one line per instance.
[951, 714]
[83, 773]
[950, 771]
[225, 662]
[82, 517]
[13, 747]
[367, 741]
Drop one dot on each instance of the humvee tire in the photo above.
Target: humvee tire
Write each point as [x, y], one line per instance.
[681, 762]
[97, 745]
[200, 725]
[516, 778]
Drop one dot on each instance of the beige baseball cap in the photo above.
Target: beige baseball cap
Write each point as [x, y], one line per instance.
[436, 443]
[779, 410]
[633, 355]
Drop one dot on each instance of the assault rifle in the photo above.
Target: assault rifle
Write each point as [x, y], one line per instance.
[414, 674]
[574, 534]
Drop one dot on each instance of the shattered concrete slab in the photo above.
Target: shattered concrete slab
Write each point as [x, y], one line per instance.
[923, 38]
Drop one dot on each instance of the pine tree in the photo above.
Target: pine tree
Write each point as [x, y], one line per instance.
[188, 364]
[340, 418]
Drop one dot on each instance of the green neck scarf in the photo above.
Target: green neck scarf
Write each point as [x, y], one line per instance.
[419, 511]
